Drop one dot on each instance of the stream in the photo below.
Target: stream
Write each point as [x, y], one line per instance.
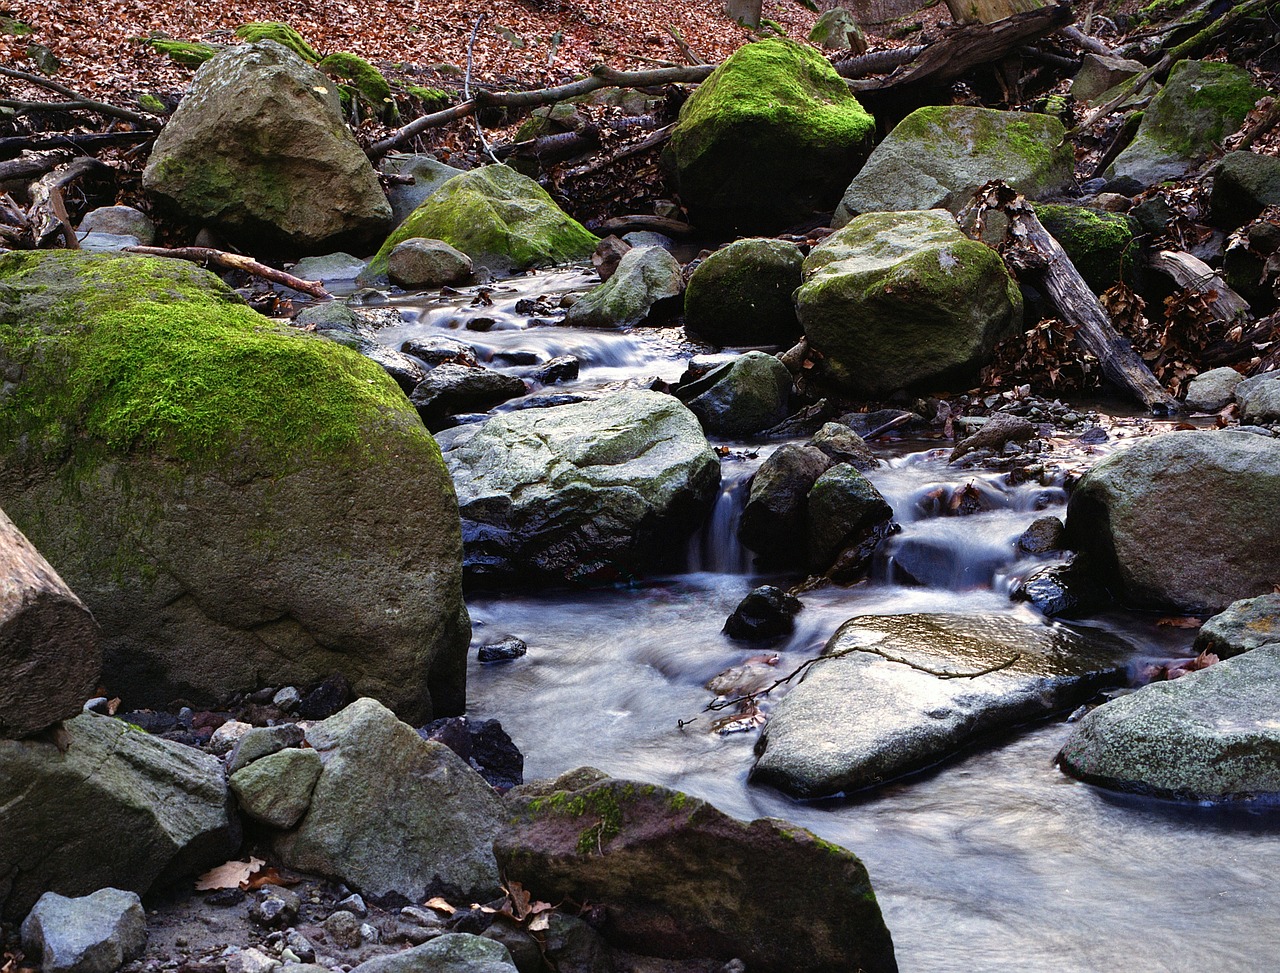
[993, 860]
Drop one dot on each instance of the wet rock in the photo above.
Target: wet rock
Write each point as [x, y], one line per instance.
[392, 812]
[1173, 522]
[844, 445]
[1000, 429]
[766, 612]
[805, 905]
[741, 294]
[596, 489]
[844, 509]
[575, 946]
[860, 719]
[451, 953]
[504, 650]
[120, 221]
[1064, 591]
[275, 907]
[1213, 390]
[96, 933]
[483, 744]
[643, 286]
[609, 253]
[741, 397]
[1261, 405]
[417, 262]
[260, 741]
[450, 389]
[1208, 736]
[160, 810]
[563, 368]
[1044, 534]
[1241, 627]
[277, 788]
[329, 268]
[776, 513]
[439, 350]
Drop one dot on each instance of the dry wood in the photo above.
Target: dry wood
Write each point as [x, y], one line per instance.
[32, 166]
[626, 224]
[88, 141]
[1261, 337]
[989, 11]
[689, 53]
[1085, 42]
[1193, 273]
[635, 148]
[877, 62]
[50, 659]
[80, 101]
[47, 214]
[236, 261]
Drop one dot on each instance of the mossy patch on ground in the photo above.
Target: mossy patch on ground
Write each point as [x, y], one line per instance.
[187, 53]
[368, 82]
[281, 34]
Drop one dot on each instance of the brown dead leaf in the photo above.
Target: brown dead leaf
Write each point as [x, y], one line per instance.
[113, 705]
[1182, 621]
[230, 875]
[270, 876]
[440, 905]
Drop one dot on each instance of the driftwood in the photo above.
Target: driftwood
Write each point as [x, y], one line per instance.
[236, 261]
[877, 62]
[47, 216]
[50, 659]
[79, 101]
[32, 166]
[626, 224]
[1194, 274]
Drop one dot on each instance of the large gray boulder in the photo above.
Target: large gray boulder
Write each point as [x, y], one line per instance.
[417, 262]
[1241, 627]
[428, 173]
[1211, 735]
[1183, 520]
[258, 148]
[107, 805]
[742, 397]
[393, 812]
[1244, 184]
[603, 488]
[1200, 104]
[680, 879]
[905, 301]
[741, 294]
[450, 953]
[1213, 390]
[95, 933]
[237, 503]
[867, 714]
[646, 280]
[50, 659]
[938, 155]
[1102, 72]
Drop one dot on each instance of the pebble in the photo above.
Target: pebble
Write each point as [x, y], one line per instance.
[344, 929]
[227, 736]
[288, 698]
[250, 961]
[275, 907]
[354, 904]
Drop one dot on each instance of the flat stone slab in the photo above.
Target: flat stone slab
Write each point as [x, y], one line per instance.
[1213, 735]
[868, 715]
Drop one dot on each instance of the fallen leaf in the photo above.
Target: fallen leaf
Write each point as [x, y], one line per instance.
[1182, 621]
[269, 877]
[540, 923]
[440, 905]
[230, 875]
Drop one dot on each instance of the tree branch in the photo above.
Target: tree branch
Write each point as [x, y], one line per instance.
[88, 104]
[236, 261]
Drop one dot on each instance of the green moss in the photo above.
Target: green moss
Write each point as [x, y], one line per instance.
[431, 99]
[1209, 104]
[187, 53]
[150, 103]
[125, 355]
[281, 34]
[1101, 245]
[600, 802]
[993, 133]
[367, 81]
[12, 27]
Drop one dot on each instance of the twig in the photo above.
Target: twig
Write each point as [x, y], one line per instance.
[236, 261]
[648, 142]
[88, 104]
[689, 53]
[466, 87]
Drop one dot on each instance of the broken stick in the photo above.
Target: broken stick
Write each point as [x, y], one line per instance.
[236, 261]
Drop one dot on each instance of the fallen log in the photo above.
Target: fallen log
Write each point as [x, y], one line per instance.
[79, 101]
[50, 659]
[648, 142]
[47, 215]
[32, 166]
[626, 224]
[1193, 273]
[236, 261]
[86, 141]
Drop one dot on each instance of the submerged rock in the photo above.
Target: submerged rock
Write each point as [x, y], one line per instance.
[680, 879]
[866, 715]
[1211, 735]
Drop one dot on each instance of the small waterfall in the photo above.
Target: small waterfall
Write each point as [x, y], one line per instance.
[715, 548]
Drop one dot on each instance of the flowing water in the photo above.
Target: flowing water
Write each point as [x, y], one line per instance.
[993, 860]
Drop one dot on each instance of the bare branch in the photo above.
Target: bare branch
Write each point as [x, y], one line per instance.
[236, 261]
[87, 104]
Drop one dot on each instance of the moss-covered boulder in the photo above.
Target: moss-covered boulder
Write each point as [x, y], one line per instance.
[258, 148]
[645, 283]
[497, 217]
[1202, 102]
[938, 155]
[366, 81]
[742, 397]
[768, 140]
[1182, 521]
[1101, 245]
[905, 301]
[766, 892]
[741, 294]
[187, 53]
[1244, 184]
[239, 504]
[282, 34]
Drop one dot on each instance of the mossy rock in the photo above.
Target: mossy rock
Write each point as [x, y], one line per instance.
[741, 294]
[938, 155]
[366, 80]
[905, 301]
[281, 34]
[431, 99]
[548, 120]
[1101, 245]
[497, 217]
[229, 496]
[189, 54]
[767, 140]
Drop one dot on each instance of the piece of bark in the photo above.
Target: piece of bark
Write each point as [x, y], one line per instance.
[1193, 273]
[32, 166]
[236, 261]
[87, 141]
[50, 658]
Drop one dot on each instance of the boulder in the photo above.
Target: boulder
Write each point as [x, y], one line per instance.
[1065, 590]
[1241, 627]
[837, 30]
[741, 397]
[449, 389]
[775, 517]
[50, 659]
[237, 503]
[1261, 406]
[276, 789]
[393, 813]
[258, 148]
[427, 263]
[1202, 103]
[1100, 245]
[96, 933]
[1179, 521]
[1211, 735]
[865, 715]
[500, 219]
[741, 294]
[428, 173]
[107, 804]
[1213, 390]
[457, 952]
[766, 892]
[765, 613]
[844, 510]
[1244, 184]
[1042, 536]
[844, 445]
[262, 741]
[938, 155]
[107, 242]
[120, 221]
[905, 301]
[601, 488]
[327, 268]
[646, 281]
[1102, 72]
[767, 140]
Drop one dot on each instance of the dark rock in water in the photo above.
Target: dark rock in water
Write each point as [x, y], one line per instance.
[453, 731]
[1043, 535]
[516, 356]
[484, 744]
[561, 369]
[844, 445]
[1064, 591]
[876, 707]
[439, 350]
[450, 389]
[542, 402]
[775, 516]
[504, 650]
[765, 613]
[867, 423]
[1094, 435]
[844, 510]
[678, 878]
[1241, 627]
[326, 699]
[742, 397]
